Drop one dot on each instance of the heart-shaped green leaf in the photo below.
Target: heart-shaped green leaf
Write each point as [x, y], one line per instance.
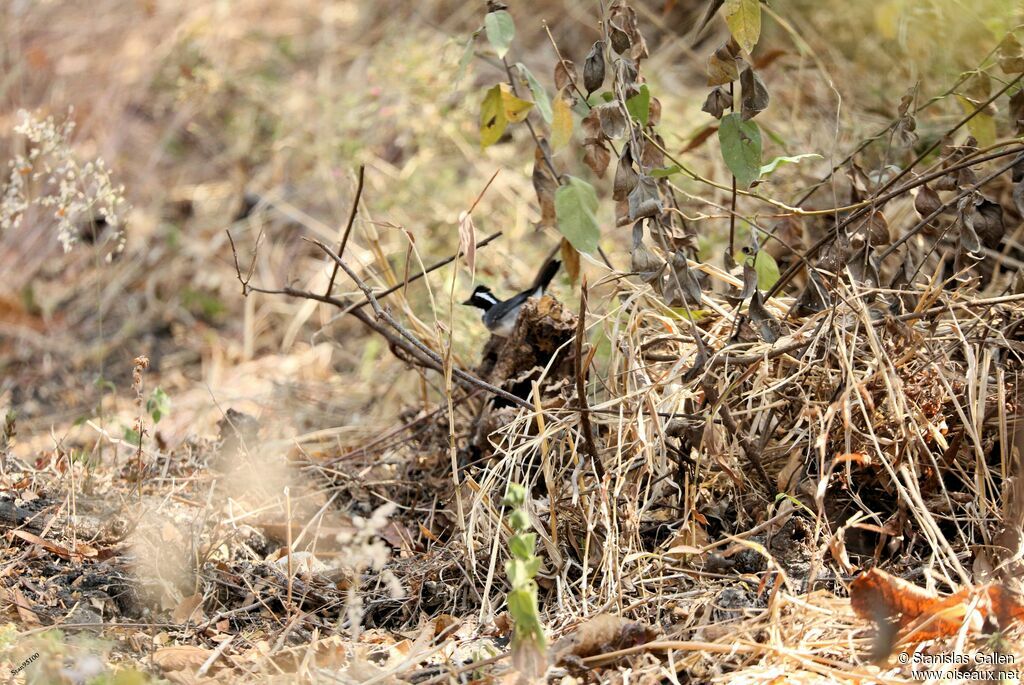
[741, 148]
[576, 207]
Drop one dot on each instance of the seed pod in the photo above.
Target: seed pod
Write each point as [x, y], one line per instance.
[647, 264]
[620, 40]
[927, 201]
[593, 68]
[644, 199]
[625, 176]
[873, 228]
[988, 222]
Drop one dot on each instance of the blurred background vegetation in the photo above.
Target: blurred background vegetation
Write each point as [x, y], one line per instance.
[207, 110]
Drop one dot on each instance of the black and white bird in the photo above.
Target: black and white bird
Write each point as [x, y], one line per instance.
[500, 315]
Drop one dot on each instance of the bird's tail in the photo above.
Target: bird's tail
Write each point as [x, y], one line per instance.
[546, 274]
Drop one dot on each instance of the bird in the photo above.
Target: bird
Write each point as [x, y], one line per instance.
[500, 315]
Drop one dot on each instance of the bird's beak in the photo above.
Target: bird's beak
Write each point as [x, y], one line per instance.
[469, 301]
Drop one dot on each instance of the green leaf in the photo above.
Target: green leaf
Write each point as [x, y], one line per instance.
[794, 159]
[522, 606]
[576, 207]
[982, 126]
[519, 521]
[767, 270]
[465, 59]
[516, 572]
[581, 107]
[540, 96]
[741, 148]
[515, 496]
[667, 171]
[501, 29]
[639, 106]
[132, 437]
[744, 20]
[521, 546]
[158, 405]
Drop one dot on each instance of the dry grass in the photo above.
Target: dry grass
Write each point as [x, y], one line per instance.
[738, 494]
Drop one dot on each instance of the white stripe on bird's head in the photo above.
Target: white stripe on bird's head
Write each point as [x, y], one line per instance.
[483, 293]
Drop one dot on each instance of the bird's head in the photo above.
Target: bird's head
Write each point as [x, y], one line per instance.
[482, 298]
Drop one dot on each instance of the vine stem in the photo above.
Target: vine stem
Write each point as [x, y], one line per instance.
[732, 201]
[543, 148]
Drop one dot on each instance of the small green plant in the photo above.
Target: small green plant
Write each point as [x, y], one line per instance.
[157, 406]
[529, 644]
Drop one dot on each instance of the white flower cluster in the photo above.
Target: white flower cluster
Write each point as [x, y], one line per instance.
[50, 176]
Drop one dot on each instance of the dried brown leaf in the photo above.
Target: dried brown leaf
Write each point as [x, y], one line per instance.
[682, 286]
[1010, 55]
[624, 30]
[600, 634]
[874, 229]
[565, 74]
[652, 156]
[545, 185]
[189, 609]
[717, 102]
[570, 260]
[591, 125]
[722, 67]
[700, 138]
[1016, 112]
[16, 597]
[597, 157]
[611, 118]
[467, 239]
[180, 657]
[920, 614]
[755, 94]
[654, 112]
